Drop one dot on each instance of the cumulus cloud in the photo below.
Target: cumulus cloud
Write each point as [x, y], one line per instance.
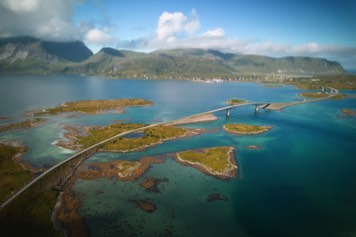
[21, 6]
[176, 30]
[173, 24]
[41, 18]
[218, 32]
[97, 36]
[51, 20]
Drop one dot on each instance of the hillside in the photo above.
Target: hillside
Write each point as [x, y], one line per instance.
[27, 54]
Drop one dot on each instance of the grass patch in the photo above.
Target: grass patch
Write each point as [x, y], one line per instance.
[235, 101]
[215, 159]
[151, 136]
[94, 106]
[29, 123]
[314, 95]
[12, 175]
[246, 129]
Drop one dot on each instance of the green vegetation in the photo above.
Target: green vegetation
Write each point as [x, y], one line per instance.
[29, 123]
[215, 160]
[246, 129]
[235, 101]
[314, 95]
[30, 213]
[12, 175]
[126, 167]
[151, 136]
[341, 82]
[94, 106]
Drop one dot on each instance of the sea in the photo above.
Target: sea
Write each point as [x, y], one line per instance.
[302, 182]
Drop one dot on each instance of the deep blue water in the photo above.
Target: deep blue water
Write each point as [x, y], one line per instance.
[302, 183]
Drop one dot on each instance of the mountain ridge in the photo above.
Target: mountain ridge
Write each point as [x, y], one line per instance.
[29, 54]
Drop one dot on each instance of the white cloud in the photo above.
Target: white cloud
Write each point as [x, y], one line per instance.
[173, 24]
[50, 19]
[97, 36]
[218, 32]
[21, 6]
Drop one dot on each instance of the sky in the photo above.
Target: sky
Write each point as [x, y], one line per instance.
[316, 28]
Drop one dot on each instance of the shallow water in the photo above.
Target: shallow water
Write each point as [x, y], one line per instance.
[301, 183]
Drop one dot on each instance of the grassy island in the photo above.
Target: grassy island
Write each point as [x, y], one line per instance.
[94, 106]
[245, 128]
[29, 123]
[12, 175]
[217, 161]
[235, 101]
[148, 137]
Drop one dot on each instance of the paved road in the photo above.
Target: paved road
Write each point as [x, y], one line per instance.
[97, 145]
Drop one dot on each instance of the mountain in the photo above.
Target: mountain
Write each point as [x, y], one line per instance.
[28, 54]
[191, 63]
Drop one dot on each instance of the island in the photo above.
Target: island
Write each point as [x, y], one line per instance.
[235, 101]
[216, 161]
[144, 205]
[151, 184]
[120, 169]
[93, 106]
[13, 175]
[254, 147]
[321, 95]
[245, 129]
[29, 123]
[351, 112]
[78, 139]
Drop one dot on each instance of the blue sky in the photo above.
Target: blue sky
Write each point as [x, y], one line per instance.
[275, 28]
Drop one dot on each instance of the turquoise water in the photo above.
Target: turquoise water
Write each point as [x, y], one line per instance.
[301, 183]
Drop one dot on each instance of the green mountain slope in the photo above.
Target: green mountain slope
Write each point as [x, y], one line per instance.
[28, 54]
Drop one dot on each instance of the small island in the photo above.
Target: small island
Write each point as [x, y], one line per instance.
[350, 112]
[144, 205]
[254, 147]
[120, 169]
[235, 101]
[29, 123]
[151, 184]
[217, 161]
[94, 106]
[245, 129]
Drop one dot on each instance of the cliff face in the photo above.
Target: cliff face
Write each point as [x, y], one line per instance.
[28, 54]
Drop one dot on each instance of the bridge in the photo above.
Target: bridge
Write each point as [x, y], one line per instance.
[92, 149]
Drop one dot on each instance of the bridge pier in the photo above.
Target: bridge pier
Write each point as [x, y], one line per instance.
[257, 108]
[227, 113]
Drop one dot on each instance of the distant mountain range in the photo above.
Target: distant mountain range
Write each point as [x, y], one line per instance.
[30, 55]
